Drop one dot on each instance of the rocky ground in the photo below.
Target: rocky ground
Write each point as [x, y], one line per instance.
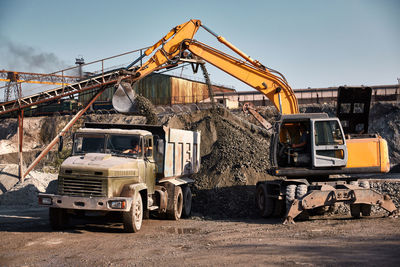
[26, 240]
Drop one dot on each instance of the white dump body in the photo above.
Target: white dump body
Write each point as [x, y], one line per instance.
[181, 152]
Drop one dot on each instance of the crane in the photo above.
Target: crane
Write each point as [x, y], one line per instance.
[306, 148]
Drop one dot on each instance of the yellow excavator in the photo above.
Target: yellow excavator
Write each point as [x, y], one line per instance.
[306, 148]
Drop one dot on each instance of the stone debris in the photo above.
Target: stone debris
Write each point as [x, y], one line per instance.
[23, 193]
[145, 108]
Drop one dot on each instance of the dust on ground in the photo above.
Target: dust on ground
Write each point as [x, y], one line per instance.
[26, 240]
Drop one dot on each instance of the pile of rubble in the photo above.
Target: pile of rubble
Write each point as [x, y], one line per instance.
[235, 155]
[13, 192]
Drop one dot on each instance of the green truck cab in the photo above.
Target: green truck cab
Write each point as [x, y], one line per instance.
[128, 169]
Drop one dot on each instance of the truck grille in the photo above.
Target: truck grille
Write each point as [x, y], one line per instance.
[82, 186]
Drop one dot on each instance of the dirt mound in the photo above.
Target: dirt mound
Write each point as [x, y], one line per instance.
[235, 155]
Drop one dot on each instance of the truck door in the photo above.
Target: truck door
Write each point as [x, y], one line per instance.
[328, 145]
[150, 163]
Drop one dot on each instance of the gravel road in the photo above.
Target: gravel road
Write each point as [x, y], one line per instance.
[27, 240]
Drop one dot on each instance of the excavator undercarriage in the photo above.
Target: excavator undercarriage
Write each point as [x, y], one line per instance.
[291, 199]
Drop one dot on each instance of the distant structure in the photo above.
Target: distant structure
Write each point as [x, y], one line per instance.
[80, 61]
[14, 80]
[12, 86]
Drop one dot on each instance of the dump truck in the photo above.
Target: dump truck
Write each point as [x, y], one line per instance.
[308, 150]
[128, 170]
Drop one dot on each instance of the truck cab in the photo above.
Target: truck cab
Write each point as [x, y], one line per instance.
[128, 169]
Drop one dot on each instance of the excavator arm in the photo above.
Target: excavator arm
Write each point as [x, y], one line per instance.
[275, 88]
[170, 48]
[247, 70]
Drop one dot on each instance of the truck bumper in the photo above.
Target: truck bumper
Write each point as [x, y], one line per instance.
[85, 203]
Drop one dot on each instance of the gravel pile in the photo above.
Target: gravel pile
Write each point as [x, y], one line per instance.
[23, 193]
[390, 188]
[385, 187]
[235, 155]
[145, 108]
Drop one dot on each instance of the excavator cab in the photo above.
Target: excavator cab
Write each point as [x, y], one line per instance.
[307, 144]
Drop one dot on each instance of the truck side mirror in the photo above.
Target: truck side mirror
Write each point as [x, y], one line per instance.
[60, 143]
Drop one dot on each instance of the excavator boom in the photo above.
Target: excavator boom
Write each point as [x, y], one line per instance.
[180, 38]
[275, 88]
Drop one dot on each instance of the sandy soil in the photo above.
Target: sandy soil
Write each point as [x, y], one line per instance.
[27, 240]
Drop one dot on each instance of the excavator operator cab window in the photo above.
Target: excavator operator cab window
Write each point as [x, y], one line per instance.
[294, 133]
[295, 144]
[328, 133]
[329, 146]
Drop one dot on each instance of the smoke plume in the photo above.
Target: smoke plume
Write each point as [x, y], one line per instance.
[24, 58]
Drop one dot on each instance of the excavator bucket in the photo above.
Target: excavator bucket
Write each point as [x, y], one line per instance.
[124, 99]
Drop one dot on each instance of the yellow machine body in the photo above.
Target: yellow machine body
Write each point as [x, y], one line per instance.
[371, 153]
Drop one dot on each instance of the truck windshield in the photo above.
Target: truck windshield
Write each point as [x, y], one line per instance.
[116, 144]
[89, 143]
[126, 145]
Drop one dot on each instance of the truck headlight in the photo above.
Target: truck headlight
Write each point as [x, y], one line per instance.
[45, 200]
[117, 204]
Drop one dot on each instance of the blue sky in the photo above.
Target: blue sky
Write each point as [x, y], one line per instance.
[313, 43]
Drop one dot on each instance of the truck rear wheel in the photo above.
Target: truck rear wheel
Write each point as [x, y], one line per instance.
[187, 202]
[133, 219]
[265, 204]
[58, 218]
[175, 208]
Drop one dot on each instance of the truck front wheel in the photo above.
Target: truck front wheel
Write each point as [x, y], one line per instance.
[58, 218]
[133, 219]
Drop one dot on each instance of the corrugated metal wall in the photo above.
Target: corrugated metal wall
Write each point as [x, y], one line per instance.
[163, 89]
[156, 88]
[105, 96]
[185, 91]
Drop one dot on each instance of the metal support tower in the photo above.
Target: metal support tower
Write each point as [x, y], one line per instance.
[12, 86]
